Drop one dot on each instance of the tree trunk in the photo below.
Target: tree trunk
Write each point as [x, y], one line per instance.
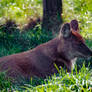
[52, 10]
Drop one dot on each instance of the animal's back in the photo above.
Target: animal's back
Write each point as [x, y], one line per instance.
[35, 62]
[15, 65]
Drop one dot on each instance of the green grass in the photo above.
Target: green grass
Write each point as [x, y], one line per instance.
[77, 81]
[65, 82]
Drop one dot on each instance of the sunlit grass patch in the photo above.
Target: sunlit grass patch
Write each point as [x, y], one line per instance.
[77, 81]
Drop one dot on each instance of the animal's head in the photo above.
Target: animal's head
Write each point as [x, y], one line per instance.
[72, 43]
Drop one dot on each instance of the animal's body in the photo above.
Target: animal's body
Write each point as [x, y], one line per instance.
[62, 50]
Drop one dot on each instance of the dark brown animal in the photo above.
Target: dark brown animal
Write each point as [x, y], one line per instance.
[62, 50]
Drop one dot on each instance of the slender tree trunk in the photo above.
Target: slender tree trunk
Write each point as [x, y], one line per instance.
[52, 10]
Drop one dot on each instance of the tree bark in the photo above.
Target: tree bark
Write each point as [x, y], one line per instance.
[52, 10]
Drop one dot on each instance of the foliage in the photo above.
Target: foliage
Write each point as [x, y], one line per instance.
[20, 10]
[13, 40]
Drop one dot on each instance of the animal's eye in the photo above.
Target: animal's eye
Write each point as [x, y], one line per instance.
[80, 43]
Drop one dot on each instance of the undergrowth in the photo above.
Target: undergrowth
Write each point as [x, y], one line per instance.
[19, 41]
[76, 81]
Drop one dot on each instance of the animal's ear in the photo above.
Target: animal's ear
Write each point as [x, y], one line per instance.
[74, 25]
[65, 30]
